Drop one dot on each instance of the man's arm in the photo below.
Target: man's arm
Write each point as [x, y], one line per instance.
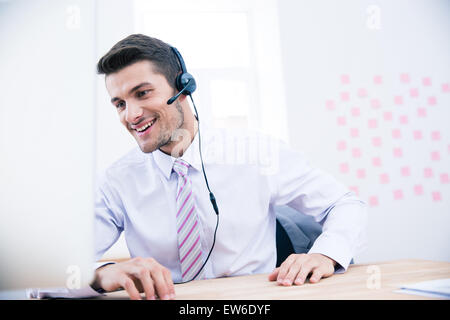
[134, 275]
[316, 193]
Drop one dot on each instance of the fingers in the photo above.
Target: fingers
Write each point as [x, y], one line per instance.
[316, 276]
[290, 268]
[156, 279]
[137, 275]
[143, 275]
[297, 267]
[169, 283]
[128, 284]
[161, 286]
[273, 276]
[305, 270]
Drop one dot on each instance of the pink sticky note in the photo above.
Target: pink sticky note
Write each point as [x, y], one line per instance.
[375, 103]
[341, 145]
[405, 171]
[362, 92]
[376, 161]
[428, 173]
[398, 194]
[436, 135]
[376, 141]
[432, 101]
[418, 189]
[435, 156]
[341, 121]
[444, 178]
[361, 173]
[354, 132]
[355, 112]
[345, 79]
[355, 189]
[421, 112]
[417, 134]
[436, 196]
[446, 87]
[398, 152]
[330, 105]
[343, 167]
[377, 79]
[398, 100]
[345, 96]
[372, 123]
[387, 116]
[404, 77]
[414, 92]
[384, 178]
[403, 119]
[373, 201]
[356, 152]
[396, 134]
[426, 81]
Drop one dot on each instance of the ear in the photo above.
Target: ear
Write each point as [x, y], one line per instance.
[182, 97]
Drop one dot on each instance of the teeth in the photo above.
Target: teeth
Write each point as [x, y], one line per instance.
[145, 127]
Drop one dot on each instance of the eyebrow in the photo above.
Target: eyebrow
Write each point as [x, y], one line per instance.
[132, 90]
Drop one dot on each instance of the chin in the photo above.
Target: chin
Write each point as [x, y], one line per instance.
[147, 148]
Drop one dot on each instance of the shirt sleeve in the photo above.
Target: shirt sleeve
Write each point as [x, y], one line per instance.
[314, 192]
[108, 221]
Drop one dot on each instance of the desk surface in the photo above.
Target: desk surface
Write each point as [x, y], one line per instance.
[354, 284]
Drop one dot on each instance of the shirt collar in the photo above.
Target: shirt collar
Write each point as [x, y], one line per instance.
[191, 156]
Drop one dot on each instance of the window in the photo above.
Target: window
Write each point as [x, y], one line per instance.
[232, 50]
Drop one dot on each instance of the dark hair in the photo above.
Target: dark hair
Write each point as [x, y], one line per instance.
[138, 47]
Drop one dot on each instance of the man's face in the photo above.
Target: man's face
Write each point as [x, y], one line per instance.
[140, 96]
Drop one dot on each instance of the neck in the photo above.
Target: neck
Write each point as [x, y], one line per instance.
[182, 137]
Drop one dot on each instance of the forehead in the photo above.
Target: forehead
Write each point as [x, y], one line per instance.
[120, 82]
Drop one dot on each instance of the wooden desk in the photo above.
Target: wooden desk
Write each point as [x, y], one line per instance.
[350, 285]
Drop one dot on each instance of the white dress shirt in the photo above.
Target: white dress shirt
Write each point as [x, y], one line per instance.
[249, 175]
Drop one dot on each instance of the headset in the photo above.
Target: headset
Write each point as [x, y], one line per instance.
[185, 84]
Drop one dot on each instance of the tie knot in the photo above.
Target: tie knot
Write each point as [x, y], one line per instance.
[180, 167]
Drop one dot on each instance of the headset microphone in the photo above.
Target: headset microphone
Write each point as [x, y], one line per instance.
[175, 97]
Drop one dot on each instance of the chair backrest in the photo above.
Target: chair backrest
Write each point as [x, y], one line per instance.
[295, 232]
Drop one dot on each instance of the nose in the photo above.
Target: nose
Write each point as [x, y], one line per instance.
[133, 113]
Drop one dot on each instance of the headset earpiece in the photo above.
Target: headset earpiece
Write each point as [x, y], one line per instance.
[185, 81]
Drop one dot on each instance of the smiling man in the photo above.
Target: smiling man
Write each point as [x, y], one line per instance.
[157, 194]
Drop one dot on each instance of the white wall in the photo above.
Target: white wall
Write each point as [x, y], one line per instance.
[406, 43]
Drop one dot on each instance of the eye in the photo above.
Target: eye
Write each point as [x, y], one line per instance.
[120, 105]
[140, 94]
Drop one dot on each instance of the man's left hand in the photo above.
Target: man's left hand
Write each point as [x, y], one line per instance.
[296, 268]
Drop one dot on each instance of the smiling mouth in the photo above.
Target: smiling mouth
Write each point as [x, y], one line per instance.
[145, 127]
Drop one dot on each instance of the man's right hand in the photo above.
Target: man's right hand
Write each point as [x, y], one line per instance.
[136, 275]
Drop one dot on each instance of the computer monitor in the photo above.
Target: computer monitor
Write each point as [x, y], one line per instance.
[47, 143]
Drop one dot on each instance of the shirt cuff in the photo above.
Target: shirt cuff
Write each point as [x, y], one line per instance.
[335, 248]
[102, 264]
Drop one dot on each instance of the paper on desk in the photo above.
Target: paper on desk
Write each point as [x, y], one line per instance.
[439, 288]
[41, 293]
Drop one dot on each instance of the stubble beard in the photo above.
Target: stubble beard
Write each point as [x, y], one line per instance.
[165, 134]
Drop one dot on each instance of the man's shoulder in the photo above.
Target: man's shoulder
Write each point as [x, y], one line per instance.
[131, 160]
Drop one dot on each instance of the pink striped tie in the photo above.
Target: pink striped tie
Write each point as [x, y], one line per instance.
[188, 228]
